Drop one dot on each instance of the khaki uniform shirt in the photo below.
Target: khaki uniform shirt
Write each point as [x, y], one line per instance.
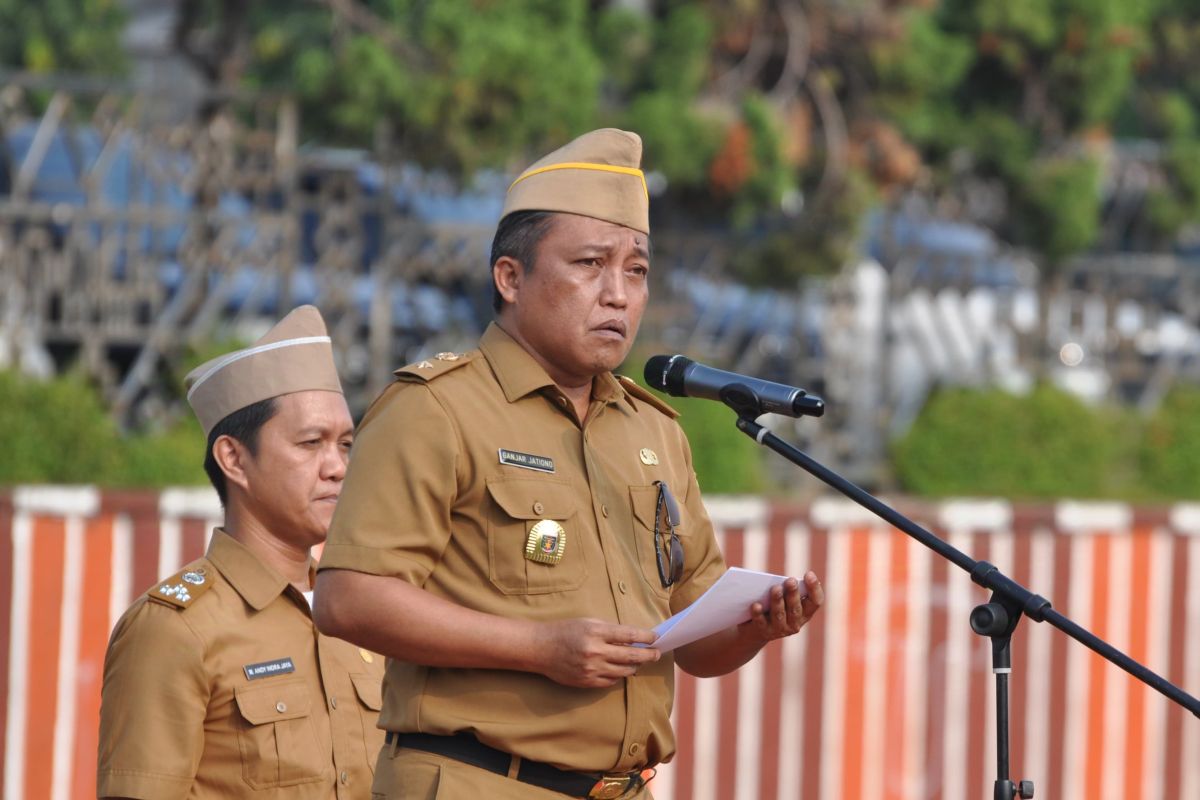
[217, 685]
[431, 498]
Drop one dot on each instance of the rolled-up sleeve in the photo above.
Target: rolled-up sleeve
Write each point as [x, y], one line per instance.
[153, 705]
[393, 516]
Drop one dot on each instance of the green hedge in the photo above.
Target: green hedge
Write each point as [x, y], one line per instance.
[725, 460]
[965, 443]
[58, 431]
[1049, 444]
[1169, 453]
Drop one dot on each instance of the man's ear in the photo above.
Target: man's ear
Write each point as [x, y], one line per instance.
[507, 273]
[231, 456]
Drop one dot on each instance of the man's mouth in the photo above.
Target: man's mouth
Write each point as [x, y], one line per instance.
[614, 326]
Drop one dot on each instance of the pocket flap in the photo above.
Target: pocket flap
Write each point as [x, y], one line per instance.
[369, 690]
[273, 702]
[533, 498]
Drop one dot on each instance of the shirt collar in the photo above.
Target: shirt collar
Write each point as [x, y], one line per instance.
[257, 583]
[519, 374]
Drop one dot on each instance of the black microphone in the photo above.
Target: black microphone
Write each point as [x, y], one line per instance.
[681, 377]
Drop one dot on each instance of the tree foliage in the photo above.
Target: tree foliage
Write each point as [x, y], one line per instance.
[780, 122]
[62, 35]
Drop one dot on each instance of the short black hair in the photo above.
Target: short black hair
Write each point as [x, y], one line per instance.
[517, 237]
[243, 425]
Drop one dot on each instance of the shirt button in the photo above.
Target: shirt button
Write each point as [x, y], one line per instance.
[281, 706]
[344, 778]
[634, 749]
[538, 508]
[604, 510]
[333, 702]
[621, 585]
[562, 401]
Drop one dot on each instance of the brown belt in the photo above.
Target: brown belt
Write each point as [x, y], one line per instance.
[469, 750]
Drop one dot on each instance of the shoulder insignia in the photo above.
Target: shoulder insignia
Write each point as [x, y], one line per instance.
[436, 366]
[630, 386]
[182, 588]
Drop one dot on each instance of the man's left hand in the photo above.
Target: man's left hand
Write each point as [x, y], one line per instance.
[790, 606]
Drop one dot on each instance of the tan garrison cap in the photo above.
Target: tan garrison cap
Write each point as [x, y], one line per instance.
[294, 356]
[597, 175]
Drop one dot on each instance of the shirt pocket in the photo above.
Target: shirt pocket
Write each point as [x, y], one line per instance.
[369, 689]
[277, 737]
[644, 503]
[517, 505]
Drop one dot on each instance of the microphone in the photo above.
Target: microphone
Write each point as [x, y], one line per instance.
[679, 376]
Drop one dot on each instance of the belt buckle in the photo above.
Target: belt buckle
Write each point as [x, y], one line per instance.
[610, 787]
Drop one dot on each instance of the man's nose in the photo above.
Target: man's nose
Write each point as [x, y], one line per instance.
[333, 465]
[613, 292]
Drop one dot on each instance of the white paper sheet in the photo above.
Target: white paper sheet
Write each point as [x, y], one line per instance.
[726, 603]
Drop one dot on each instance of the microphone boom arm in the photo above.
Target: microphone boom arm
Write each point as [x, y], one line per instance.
[1008, 596]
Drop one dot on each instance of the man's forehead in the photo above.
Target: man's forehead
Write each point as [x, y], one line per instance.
[601, 234]
[316, 410]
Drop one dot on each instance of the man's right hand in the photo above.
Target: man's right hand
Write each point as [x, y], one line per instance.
[592, 654]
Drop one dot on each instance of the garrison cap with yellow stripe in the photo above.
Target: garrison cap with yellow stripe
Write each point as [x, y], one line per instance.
[597, 175]
[294, 356]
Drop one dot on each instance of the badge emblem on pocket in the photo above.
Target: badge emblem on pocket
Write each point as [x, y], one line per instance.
[546, 542]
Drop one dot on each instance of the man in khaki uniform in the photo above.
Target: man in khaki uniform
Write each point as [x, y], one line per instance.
[216, 682]
[517, 519]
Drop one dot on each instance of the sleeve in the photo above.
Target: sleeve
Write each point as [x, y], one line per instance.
[153, 704]
[702, 558]
[393, 516]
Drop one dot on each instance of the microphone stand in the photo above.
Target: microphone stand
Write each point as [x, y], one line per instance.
[996, 619]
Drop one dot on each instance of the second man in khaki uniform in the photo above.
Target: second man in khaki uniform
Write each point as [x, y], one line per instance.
[216, 682]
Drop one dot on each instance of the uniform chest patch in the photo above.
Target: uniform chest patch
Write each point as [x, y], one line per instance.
[526, 460]
[265, 669]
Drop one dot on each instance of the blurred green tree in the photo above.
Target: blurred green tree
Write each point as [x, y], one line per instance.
[777, 121]
[62, 35]
[1022, 94]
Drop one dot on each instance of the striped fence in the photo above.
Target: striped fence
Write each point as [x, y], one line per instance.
[887, 695]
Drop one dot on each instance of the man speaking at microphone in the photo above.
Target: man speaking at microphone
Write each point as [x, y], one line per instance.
[517, 519]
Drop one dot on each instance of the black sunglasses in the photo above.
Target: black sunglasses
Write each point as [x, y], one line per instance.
[670, 562]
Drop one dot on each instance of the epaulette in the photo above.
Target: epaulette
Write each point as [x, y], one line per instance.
[630, 386]
[437, 366]
[181, 589]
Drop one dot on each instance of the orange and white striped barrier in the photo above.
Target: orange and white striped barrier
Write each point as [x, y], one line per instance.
[887, 694]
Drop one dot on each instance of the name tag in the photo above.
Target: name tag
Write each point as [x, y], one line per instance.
[265, 669]
[526, 460]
